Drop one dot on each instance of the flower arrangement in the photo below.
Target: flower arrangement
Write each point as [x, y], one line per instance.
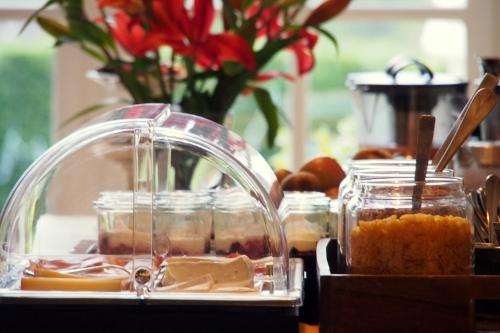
[195, 54]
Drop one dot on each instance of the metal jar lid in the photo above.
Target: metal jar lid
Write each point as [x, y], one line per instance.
[396, 79]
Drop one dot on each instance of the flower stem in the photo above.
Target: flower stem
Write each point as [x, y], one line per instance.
[166, 95]
[171, 74]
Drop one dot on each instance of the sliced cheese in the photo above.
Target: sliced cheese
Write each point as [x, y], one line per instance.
[72, 284]
[227, 273]
[201, 283]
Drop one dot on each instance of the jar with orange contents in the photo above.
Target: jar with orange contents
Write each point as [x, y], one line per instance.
[386, 233]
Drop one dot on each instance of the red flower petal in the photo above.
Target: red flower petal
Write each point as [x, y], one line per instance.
[303, 51]
[326, 11]
[268, 22]
[263, 77]
[130, 6]
[173, 18]
[132, 37]
[202, 20]
[227, 47]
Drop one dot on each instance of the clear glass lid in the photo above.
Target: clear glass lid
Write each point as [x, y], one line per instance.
[126, 205]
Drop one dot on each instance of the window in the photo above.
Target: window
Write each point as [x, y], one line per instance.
[26, 64]
[446, 35]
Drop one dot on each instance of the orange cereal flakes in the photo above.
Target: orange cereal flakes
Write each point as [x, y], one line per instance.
[412, 244]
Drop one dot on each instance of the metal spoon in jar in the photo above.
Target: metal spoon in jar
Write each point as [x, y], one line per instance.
[492, 189]
[424, 146]
[481, 234]
[482, 103]
[488, 81]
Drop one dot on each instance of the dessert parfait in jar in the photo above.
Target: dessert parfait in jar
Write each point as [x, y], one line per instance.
[183, 223]
[307, 219]
[390, 230]
[239, 225]
[121, 230]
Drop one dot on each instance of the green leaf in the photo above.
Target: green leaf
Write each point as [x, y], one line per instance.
[270, 112]
[93, 108]
[229, 15]
[292, 3]
[271, 48]
[330, 37]
[93, 53]
[36, 13]
[232, 68]
[247, 3]
[91, 33]
[54, 28]
[84, 28]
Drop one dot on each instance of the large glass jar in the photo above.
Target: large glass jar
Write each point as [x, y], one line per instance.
[238, 226]
[357, 176]
[307, 220]
[183, 223]
[387, 233]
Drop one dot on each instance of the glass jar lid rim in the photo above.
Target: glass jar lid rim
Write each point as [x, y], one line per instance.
[124, 200]
[407, 181]
[400, 173]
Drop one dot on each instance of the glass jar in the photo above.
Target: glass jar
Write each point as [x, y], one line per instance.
[183, 223]
[239, 226]
[386, 235]
[306, 221]
[388, 165]
[180, 223]
[115, 217]
[360, 175]
[475, 161]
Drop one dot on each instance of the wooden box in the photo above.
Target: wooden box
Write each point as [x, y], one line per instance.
[375, 303]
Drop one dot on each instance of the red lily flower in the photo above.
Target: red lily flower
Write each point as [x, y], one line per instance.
[132, 36]
[190, 35]
[303, 50]
[130, 6]
[268, 25]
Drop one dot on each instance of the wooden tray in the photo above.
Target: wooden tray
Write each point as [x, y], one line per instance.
[375, 303]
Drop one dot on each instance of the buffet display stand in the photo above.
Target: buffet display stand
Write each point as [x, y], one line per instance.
[374, 303]
[84, 246]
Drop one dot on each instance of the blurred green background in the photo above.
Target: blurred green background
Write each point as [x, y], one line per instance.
[25, 110]
[26, 69]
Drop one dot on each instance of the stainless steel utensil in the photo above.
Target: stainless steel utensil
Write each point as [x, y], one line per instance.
[480, 106]
[492, 190]
[479, 220]
[424, 146]
[488, 81]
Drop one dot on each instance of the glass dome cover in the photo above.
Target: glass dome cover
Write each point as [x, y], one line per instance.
[102, 212]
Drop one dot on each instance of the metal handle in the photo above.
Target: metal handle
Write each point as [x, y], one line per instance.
[398, 64]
